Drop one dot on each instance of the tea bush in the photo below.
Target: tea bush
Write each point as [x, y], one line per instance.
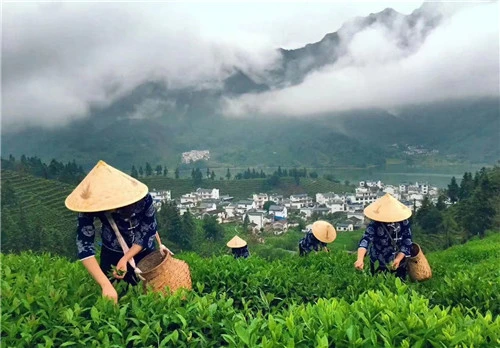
[318, 300]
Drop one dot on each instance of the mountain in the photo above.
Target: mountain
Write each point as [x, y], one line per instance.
[156, 123]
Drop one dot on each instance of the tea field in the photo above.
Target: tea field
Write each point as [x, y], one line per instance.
[316, 301]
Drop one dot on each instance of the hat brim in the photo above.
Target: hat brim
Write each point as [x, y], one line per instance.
[324, 231]
[105, 188]
[236, 242]
[387, 209]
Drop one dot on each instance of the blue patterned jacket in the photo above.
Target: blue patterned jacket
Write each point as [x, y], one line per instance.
[383, 244]
[139, 229]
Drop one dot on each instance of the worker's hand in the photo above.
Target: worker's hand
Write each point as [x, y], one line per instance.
[121, 269]
[359, 264]
[110, 292]
[395, 264]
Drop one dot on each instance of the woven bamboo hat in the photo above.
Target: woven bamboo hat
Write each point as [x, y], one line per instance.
[387, 209]
[105, 188]
[324, 231]
[236, 242]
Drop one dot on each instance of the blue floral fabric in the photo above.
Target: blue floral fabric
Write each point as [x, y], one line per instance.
[139, 229]
[241, 252]
[310, 243]
[379, 241]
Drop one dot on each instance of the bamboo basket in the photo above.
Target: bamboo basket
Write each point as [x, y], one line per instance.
[165, 273]
[418, 266]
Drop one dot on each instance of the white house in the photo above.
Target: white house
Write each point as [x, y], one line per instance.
[260, 199]
[230, 210]
[365, 195]
[257, 217]
[308, 211]
[323, 198]
[344, 227]
[278, 199]
[279, 227]
[160, 197]
[207, 193]
[358, 215]
[278, 211]
[189, 198]
[207, 207]
[336, 205]
[423, 187]
[300, 200]
[239, 208]
[390, 189]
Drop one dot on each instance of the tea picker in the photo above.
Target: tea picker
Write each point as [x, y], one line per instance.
[128, 232]
[238, 247]
[317, 237]
[388, 240]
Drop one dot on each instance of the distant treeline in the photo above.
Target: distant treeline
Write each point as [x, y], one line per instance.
[70, 173]
[462, 211]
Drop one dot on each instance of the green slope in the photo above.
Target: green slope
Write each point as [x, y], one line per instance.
[319, 301]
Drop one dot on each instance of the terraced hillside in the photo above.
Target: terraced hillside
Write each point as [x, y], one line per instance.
[36, 207]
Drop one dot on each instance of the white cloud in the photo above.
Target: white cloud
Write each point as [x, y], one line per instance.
[60, 59]
[459, 59]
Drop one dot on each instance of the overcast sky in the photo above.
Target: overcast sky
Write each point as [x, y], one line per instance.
[60, 58]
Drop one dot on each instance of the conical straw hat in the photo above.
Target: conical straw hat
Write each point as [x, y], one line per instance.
[105, 188]
[236, 242]
[387, 209]
[324, 231]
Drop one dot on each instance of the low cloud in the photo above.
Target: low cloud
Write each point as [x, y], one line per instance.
[458, 59]
[60, 59]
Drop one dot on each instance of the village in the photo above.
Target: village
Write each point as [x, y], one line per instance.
[268, 212]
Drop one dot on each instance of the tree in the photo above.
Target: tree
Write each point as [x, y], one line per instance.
[246, 222]
[313, 175]
[272, 181]
[176, 173]
[170, 222]
[213, 231]
[440, 205]
[165, 171]
[197, 176]
[297, 179]
[208, 172]
[450, 229]
[188, 231]
[477, 214]
[141, 171]
[429, 217]
[453, 190]
[212, 175]
[267, 204]
[134, 173]
[149, 170]
[228, 174]
[158, 169]
[466, 186]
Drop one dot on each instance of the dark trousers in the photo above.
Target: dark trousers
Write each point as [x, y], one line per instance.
[400, 272]
[110, 258]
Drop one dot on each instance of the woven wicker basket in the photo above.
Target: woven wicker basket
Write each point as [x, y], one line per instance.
[165, 273]
[418, 266]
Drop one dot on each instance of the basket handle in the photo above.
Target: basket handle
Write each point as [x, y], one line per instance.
[123, 245]
[163, 248]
